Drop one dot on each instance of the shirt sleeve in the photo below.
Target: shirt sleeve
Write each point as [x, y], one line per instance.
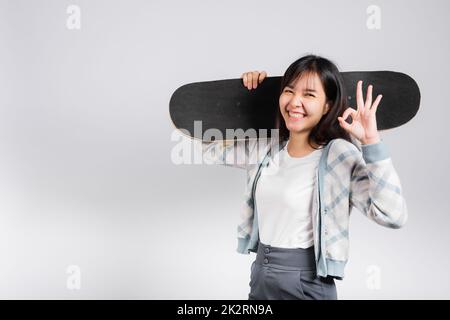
[239, 154]
[375, 187]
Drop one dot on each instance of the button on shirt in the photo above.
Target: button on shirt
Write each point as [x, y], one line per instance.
[284, 195]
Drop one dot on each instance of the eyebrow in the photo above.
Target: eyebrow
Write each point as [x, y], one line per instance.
[307, 89]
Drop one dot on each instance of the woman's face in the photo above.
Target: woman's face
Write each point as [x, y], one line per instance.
[302, 103]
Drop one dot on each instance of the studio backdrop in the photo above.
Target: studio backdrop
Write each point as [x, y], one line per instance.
[92, 203]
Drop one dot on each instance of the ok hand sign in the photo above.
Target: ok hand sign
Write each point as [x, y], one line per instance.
[364, 122]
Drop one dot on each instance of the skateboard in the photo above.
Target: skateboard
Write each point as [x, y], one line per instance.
[206, 110]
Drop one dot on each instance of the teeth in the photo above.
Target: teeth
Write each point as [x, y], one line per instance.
[295, 115]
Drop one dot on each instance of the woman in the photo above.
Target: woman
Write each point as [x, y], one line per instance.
[302, 187]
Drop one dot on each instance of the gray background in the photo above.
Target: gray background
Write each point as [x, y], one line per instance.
[86, 176]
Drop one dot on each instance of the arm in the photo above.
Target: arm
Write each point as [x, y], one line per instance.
[238, 154]
[375, 187]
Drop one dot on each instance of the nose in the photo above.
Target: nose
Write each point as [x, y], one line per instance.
[295, 102]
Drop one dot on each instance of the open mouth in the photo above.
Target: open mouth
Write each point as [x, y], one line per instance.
[296, 115]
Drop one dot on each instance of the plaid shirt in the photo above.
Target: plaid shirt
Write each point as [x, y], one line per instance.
[348, 175]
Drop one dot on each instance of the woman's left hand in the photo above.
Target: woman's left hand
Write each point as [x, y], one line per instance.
[364, 122]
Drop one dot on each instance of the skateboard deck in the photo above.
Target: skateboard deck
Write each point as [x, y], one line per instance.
[227, 104]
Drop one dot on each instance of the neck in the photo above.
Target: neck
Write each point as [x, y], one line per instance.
[298, 145]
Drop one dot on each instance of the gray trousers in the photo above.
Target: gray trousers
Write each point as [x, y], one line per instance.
[288, 274]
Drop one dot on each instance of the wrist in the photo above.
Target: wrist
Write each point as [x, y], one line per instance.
[371, 140]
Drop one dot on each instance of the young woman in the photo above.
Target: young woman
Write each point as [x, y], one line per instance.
[302, 187]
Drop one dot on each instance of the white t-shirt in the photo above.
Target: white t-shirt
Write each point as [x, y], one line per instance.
[284, 195]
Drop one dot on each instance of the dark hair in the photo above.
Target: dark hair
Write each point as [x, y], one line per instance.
[328, 127]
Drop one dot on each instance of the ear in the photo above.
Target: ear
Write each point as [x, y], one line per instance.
[327, 108]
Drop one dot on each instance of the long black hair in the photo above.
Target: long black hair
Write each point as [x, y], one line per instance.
[328, 127]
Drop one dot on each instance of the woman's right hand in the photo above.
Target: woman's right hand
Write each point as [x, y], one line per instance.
[253, 78]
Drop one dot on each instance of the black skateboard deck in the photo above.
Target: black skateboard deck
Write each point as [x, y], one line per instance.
[227, 104]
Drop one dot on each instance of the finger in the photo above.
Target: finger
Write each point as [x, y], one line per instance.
[249, 80]
[255, 79]
[368, 97]
[376, 103]
[244, 76]
[262, 76]
[349, 111]
[359, 96]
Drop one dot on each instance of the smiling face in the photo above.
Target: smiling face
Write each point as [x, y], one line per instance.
[303, 103]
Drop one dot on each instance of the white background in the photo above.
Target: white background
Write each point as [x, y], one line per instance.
[86, 176]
